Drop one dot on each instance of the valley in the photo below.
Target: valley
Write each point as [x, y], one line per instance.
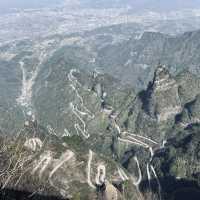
[100, 101]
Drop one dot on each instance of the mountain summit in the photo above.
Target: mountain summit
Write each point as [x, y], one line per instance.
[162, 95]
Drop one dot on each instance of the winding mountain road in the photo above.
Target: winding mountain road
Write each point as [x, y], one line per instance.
[78, 113]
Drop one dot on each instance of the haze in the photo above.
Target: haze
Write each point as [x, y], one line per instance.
[162, 5]
[8, 5]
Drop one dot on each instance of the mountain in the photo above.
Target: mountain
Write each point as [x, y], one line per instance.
[86, 136]
[135, 59]
[100, 100]
[161, 99]
[29, 68]
[73, 126]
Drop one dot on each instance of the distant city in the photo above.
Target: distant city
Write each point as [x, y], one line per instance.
[35, 22]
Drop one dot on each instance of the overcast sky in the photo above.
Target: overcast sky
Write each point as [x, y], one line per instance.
[6, 5]
[136, 4]
[13, 3]
[143, 4]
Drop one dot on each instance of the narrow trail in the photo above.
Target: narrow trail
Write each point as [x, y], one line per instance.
[132, 142]
[148, 175]
[139, 141]
[158, 181]
[122, 174]
[101, 174]
[78, 113]
[151, 153]
[74, 83]
[89, 170]
[43, 162]
[139, 172]
[142, 137]
[150, 168]
[64, 158]
[87, 112]
[77, 126]
[164, 143]
[117, 127]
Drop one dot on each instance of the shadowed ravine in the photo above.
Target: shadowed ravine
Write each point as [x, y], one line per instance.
[173, 189]
[9, 194]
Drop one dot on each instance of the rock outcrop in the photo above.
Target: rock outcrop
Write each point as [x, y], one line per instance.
[163, 100]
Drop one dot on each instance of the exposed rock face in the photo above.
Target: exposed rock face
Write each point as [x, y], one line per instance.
[153, 111]
[163, 98]
[189, 86]
[190, 113]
